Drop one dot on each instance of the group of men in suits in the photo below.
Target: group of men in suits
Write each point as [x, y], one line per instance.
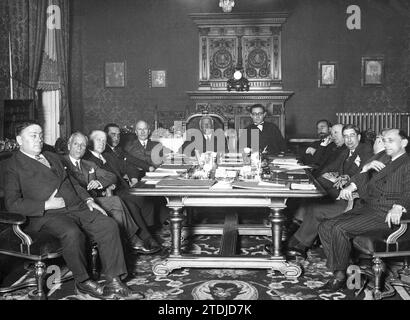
[38, 186]
[367, 190]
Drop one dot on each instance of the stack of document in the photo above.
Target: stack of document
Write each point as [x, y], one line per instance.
[260, 185]
[302, 186]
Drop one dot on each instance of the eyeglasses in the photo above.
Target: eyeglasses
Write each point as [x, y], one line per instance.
[256, 114]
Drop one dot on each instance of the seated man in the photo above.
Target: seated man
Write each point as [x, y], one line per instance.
[99, 182]
[206, 139]
[347, 165]
[37, 186]
[141, 147]
[270, 137]
[310, 154]
[133, 166]
[329, 150]
[384, 188]
[141, 210]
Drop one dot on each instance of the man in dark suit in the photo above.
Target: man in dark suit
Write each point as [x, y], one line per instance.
[141, 147]
[270, 137]
[37, 186]
[133, 166]
[345, 166]
[384, 187]
[310, 155]
[141, 210]
[100, 184]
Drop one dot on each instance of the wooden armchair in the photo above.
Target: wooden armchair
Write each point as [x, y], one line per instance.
[385, 245]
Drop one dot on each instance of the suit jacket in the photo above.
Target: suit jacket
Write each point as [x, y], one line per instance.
[135, 149]
[270, 136]
[106, 178]
[391, 185]
[346, 165]
[350, 165]
[324, 156]
[112, 165]
[133, 166]
[29, 184]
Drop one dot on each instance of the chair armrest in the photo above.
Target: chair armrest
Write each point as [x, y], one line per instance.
[405, 221]
[11, 218]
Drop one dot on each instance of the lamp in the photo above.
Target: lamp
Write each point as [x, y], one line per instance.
[238, 82]
[226, 5]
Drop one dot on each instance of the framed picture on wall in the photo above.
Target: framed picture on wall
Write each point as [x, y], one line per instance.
[157, 78]
[115, 74]
[327, 74]
[372, 71]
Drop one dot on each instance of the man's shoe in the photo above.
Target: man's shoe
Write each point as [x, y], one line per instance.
[148, 247]
[90, 288]
[333, 285]
[116, 289]
[296, 252]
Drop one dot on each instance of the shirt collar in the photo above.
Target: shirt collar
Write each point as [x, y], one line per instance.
[29, 155]
[73, 161]
[97, 155]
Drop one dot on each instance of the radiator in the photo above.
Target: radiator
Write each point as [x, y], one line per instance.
[376, 121]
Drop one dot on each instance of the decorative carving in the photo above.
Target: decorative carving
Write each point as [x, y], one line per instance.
[222, 57]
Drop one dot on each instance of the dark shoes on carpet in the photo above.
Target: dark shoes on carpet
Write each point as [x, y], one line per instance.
[149, 246]
[112, 290]
[333, 285]
[90, 288]
[116, 289]
[294, 252]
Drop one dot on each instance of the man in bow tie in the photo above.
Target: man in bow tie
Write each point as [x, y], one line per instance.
[384, 187]
[270, 137]
[38, 187]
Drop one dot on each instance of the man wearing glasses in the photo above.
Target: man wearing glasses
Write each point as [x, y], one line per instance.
[270, 137]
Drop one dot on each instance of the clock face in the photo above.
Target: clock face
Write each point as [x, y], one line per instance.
[237, 75]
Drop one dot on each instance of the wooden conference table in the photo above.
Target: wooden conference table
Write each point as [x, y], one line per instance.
[188, 196]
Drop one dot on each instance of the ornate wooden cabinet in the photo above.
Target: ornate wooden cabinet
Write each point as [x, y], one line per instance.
[257, 37]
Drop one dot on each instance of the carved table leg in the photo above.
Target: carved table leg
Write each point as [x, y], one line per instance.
[176, 218]
[276, 217]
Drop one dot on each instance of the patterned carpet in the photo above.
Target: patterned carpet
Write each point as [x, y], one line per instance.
[213, 284]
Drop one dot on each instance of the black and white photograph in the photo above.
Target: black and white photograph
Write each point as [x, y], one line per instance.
[214, 157]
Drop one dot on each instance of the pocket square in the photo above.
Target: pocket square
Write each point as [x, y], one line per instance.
[357, 161]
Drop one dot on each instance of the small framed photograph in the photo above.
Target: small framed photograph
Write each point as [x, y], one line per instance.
[327, 75]
[115, 74]
[157, 78]
[372, 71]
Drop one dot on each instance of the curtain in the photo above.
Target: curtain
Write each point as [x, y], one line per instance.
[62, 46]
[37, 30]
[50, 114]
[18, 13]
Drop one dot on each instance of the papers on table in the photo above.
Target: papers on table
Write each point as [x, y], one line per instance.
[302, 186]
[185, 183]
[161, 174]
[222, 185]
[260, 185]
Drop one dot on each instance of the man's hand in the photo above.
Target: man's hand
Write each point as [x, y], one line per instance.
[326, 141]
[345, 194]
[53, 202]
[92, 205]
[151, 169]
[341, 181]
[375, 165]
[94, 184]
[311, 151]
[394, 215]
[133, 181]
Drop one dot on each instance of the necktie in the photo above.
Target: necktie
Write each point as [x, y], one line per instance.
[144, 144]
[77, 165]
[101, 158]
[43, 160]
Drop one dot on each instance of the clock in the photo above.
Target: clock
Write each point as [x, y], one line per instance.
[237, 75]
